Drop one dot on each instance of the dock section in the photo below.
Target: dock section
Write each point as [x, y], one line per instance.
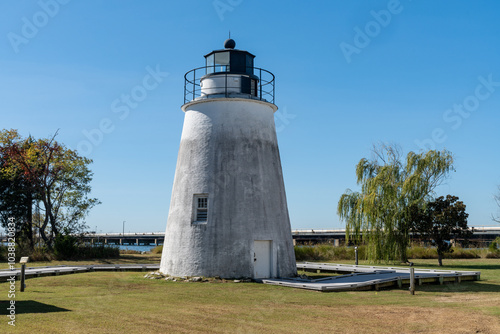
[354, 277]
[350, 277]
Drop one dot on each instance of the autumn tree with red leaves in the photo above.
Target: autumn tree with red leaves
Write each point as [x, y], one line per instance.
[44, 173]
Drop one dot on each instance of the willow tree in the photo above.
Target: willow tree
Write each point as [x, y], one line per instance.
[379, 214]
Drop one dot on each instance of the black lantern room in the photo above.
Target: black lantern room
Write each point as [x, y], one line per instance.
[229, 60]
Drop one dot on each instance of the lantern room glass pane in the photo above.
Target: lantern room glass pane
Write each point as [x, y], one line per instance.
[210, 64]
[249, 64]
[222, 58]
[222, 62]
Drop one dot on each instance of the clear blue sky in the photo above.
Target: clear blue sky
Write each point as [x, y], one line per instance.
[349, 74]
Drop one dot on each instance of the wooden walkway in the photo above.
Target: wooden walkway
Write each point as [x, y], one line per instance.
[352, 277]
[369, 277]
[62, 270]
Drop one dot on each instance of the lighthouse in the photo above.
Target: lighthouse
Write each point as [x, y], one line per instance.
[228, 213]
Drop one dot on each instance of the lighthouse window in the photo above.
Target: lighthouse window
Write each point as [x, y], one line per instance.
[201, 208]
[222, 58]
[210, 64]
[249, 64]
[221, 62]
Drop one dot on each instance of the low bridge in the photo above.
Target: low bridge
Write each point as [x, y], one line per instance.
[137, 239]
[482, 236]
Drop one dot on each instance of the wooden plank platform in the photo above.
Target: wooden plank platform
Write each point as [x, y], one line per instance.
[369, 277]
[352, 278]
[63, 270]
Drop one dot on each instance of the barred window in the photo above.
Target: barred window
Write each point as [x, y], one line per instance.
[201, 208]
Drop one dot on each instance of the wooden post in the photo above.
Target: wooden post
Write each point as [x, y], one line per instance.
[23, 262]
[412, 280]
[23, 269]
[356, 255]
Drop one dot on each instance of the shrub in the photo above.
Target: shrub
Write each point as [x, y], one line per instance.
[41, 254]
[495, 245]
[306, 253]
[493, 255]
[3, 253]
[327, 252]
[98, 252]
[65, 246]
[64, 249]
[130, 251]
[38, 254]
[157, 250]
[419, 252]
[494, 249]
[461, 253]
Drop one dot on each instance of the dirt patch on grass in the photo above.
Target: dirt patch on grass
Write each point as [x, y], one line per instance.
[481, 299]
[395, 319]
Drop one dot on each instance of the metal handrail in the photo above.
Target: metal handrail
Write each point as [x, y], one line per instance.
[192, 87]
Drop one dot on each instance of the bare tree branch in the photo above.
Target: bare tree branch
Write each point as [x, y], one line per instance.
[497, 199]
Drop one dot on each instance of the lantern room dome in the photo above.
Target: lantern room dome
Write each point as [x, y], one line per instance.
[229, 43]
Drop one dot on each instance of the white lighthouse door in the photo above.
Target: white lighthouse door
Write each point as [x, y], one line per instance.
[262, 258]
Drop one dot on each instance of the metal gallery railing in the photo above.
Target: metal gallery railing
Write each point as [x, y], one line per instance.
[263, 91]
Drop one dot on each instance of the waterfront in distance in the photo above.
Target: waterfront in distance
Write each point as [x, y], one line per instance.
[140, 248]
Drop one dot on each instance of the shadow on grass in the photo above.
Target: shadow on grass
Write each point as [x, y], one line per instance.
[30, 306]
[478, 267]
[464, 287]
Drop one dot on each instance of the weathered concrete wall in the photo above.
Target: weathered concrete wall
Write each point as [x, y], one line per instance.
[229, 151]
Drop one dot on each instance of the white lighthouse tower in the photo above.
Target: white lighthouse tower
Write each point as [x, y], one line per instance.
[228, 213]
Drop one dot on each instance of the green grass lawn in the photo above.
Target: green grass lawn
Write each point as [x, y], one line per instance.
[125, 302]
